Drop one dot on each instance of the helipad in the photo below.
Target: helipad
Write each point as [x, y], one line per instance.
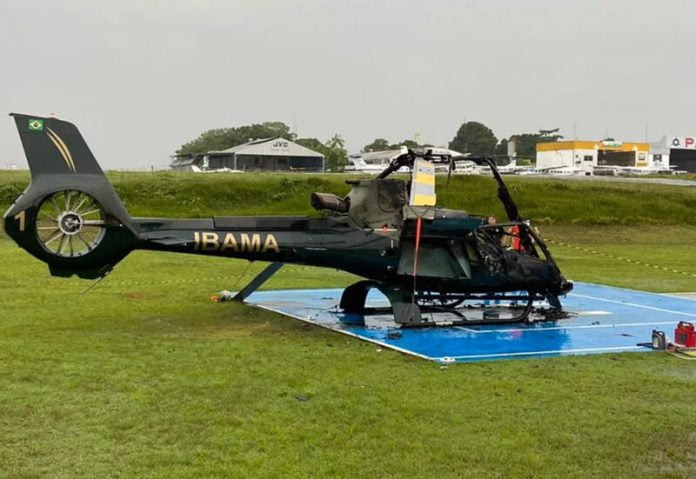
[605, 319]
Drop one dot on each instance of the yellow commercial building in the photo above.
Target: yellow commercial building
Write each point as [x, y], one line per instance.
[585, 155]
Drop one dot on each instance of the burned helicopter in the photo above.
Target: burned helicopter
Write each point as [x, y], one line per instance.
[420, 256]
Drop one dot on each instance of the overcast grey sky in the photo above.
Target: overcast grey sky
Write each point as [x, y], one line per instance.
[139, 78]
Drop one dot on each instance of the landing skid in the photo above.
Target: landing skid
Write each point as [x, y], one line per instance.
[428, 309]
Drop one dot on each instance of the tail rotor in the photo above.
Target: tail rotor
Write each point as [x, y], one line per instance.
[70, 223]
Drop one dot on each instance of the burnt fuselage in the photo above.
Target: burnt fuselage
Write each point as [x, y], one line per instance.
[457, 253]
[373, 237]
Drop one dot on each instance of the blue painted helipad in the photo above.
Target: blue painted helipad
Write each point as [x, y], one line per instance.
[606, 320]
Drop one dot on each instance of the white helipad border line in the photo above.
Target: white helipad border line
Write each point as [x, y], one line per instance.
[348, 333]
[558, 328]
[555, 351]
[635, 305]
[689, 296]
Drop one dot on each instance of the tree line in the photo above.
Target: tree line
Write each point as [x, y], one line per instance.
[477, 139]
[472, 137]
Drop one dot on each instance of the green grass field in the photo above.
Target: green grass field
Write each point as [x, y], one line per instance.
[547, 201]
[145, 377]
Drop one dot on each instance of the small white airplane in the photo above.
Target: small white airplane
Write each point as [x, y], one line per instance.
[377, 161]
[356, 164]
[631, 170]
[563, 171]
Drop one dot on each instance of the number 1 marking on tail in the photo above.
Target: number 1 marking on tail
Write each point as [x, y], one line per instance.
[22, 218]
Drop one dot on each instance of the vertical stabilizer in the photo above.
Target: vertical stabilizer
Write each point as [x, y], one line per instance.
[54, 147]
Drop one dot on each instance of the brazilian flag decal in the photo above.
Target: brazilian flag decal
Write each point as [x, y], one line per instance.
[36, 124]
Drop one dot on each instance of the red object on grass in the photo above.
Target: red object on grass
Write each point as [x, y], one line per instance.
[685, 335]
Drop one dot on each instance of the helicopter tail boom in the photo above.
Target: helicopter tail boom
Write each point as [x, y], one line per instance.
[70, 216]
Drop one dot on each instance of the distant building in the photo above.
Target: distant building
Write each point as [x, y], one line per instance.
[679, 152]
[270, 154]
[187, 163]
[586, 155]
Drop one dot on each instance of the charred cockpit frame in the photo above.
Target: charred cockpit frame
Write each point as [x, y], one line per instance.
[422, 258]
[499, 269]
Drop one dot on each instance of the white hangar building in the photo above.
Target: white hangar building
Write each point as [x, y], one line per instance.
[270, 154]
